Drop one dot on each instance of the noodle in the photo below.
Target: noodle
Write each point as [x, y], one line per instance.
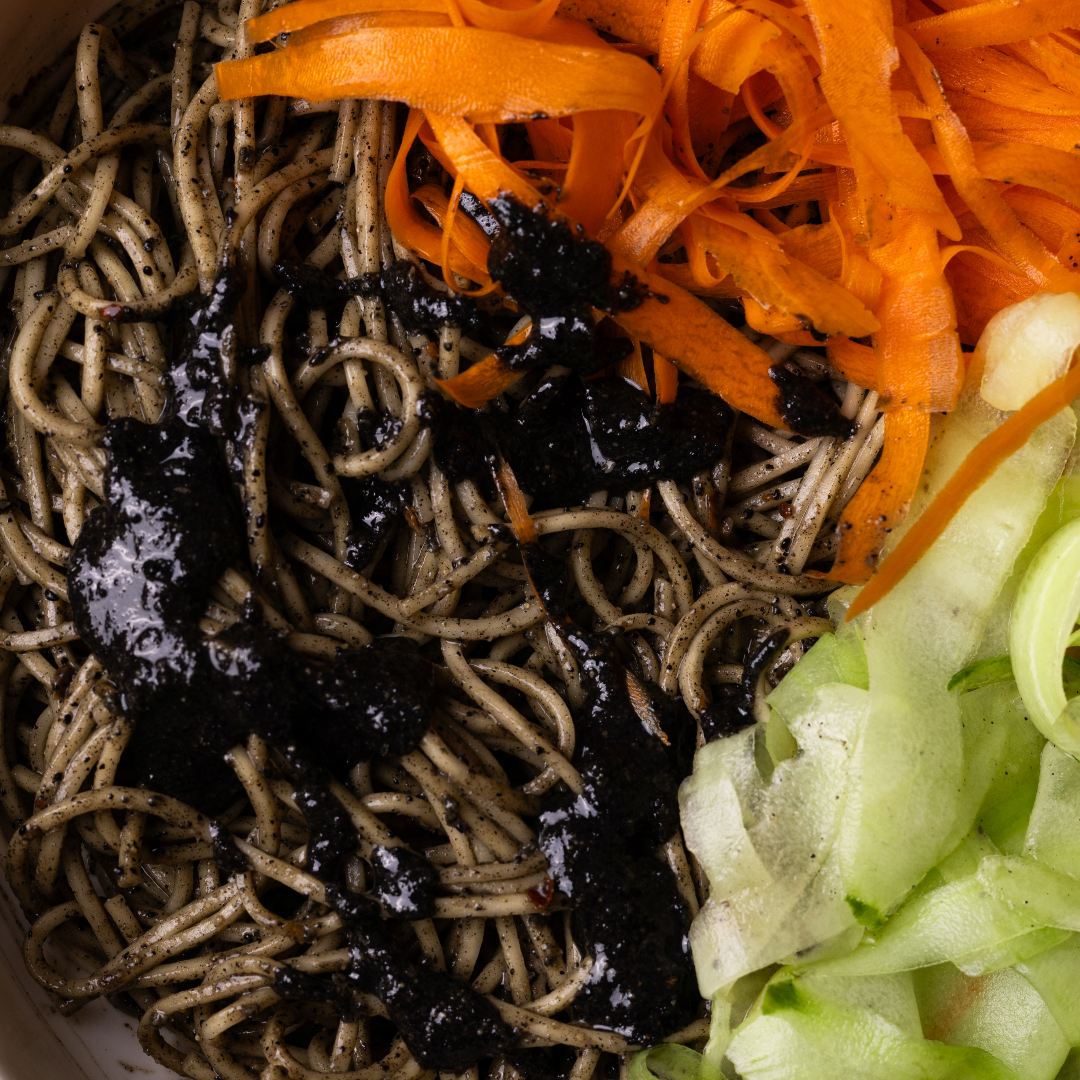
[127, 198]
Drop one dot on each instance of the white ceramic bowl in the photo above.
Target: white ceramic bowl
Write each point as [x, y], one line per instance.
[36, 1043]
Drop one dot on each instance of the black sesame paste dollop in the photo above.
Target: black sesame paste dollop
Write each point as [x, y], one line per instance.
[557, 276]
[569, 439]
[602, 846]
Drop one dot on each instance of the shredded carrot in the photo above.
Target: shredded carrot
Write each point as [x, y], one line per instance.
[632, 367]
[854, 361]
[486, 379]
[857, 43]
[514, 501]
[974, 471]
[486, 75]
[881, 176]
[995, 23]
[667, 379]
[979, 194]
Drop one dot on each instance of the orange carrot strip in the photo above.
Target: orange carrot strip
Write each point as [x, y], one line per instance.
[514, 501]
[666, 375]
[709, 110]
[1054, 222]
[681, 20]
[769, 321]
[550, 139]
[1042, 167]
[407, 225]
[819, 247]
[541, 166]
[777, 281]
[525, 21]
[995, 23]
[853, 361]
[990, 122]
[486, 379]
[952, 250]
[682, 275]
[1051, 57]
[883, 498]
[982, 288]
[698, 259]
[468, 237]
[727, 58]
[485, 75]
[1017, 242]
[485, 174]
[638, 21]
[973, 472]
[672, 196]
[596, 166]
[371, 20]
[292, 17]
[701, 343]
[732, 52]
[757, 112]
[1002, 79]
[920, 362]
[807, 187]
[448, 232]
[856, 38]
[919, 358]
[632, 367]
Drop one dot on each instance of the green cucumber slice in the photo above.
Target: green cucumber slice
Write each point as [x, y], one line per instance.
[1056, 975]
[1000, 1013]
[834, 658]
[1053, 833]
[1045, 612]
[901, 814]
[1008, 911]
[993, 669]
[801, 1035]
[767, 844]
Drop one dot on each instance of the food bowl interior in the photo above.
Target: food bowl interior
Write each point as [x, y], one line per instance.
[33, 33]
[36, 1042]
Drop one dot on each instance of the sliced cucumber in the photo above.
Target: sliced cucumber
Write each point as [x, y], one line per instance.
[1000, 1013]
[1053, 834]
[1045, 612]
[801, 1035]
[1056, 975]
[767, 843]
[1007, 805]
[1009, 910]
[901, 813]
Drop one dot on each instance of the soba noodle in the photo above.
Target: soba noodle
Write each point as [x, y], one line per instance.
[123, 192]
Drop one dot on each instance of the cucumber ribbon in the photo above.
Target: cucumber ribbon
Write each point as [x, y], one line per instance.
[1041, 629]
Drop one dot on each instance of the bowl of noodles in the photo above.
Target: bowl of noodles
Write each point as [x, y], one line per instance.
[403, 480]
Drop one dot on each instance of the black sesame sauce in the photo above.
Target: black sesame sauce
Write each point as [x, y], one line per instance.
[805, 408]
[602, 846]
[569, 439]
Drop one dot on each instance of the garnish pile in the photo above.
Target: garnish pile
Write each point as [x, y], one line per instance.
[925, 155]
